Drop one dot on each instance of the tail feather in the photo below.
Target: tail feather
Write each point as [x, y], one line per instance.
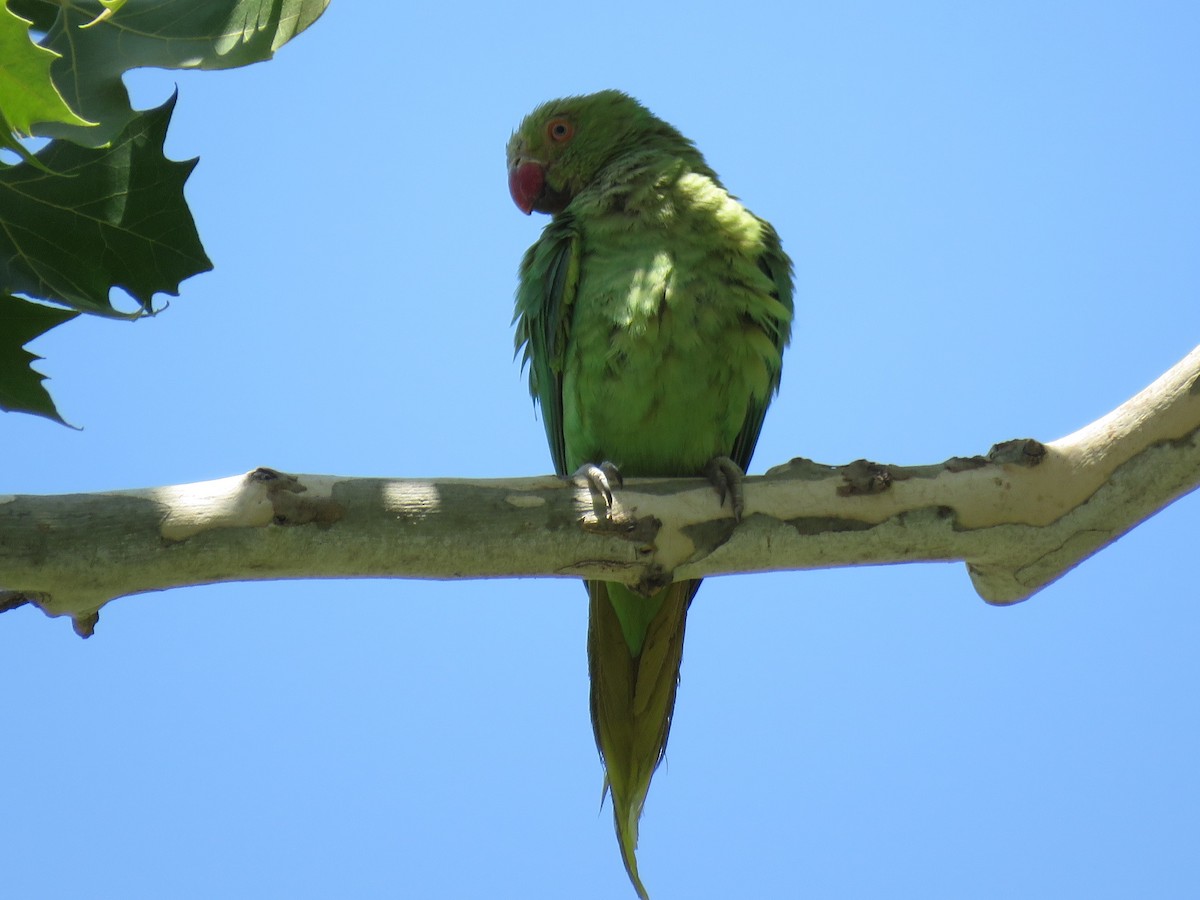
[633, 697]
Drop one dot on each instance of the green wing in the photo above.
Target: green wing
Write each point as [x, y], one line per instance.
[775, 263]
[545, 296]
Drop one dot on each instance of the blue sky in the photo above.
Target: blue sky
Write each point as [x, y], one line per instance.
[994, 214]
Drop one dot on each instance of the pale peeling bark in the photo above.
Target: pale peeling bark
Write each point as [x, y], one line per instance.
[1019, 518]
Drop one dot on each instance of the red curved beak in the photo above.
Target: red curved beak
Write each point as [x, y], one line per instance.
[525, 182]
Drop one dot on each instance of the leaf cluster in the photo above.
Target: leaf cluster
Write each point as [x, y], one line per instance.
[99, 207]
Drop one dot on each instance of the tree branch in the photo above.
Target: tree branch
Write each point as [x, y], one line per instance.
[1019, 517]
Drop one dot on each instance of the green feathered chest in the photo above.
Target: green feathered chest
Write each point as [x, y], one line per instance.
[674, 338]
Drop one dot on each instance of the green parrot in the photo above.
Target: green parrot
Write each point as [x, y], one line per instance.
[652, 312]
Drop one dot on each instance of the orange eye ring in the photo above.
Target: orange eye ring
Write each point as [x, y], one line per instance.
[560, 130]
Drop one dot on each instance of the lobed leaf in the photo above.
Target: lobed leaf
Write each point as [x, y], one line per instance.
[96, 47]
[27, 93]
[101, 207]
[21, 388]
[89, 220]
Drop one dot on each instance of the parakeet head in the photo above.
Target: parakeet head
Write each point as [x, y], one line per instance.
[564, 145]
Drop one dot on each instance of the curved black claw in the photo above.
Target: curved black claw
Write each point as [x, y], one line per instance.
[600, 479]
[726, 476]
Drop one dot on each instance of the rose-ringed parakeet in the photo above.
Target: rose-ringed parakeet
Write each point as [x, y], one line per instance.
[653, 312]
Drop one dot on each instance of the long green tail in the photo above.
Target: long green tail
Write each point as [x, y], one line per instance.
[635, 645]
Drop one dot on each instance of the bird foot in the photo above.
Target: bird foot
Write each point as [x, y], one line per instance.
[600, 479]
[726, 476]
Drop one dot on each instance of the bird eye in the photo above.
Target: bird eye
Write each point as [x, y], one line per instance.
[560, 130]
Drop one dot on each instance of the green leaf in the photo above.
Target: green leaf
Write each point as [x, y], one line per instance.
[99, 219]
[101, 207]
[21, 388]
[96, 48]
[27, 95]
[110, 7]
